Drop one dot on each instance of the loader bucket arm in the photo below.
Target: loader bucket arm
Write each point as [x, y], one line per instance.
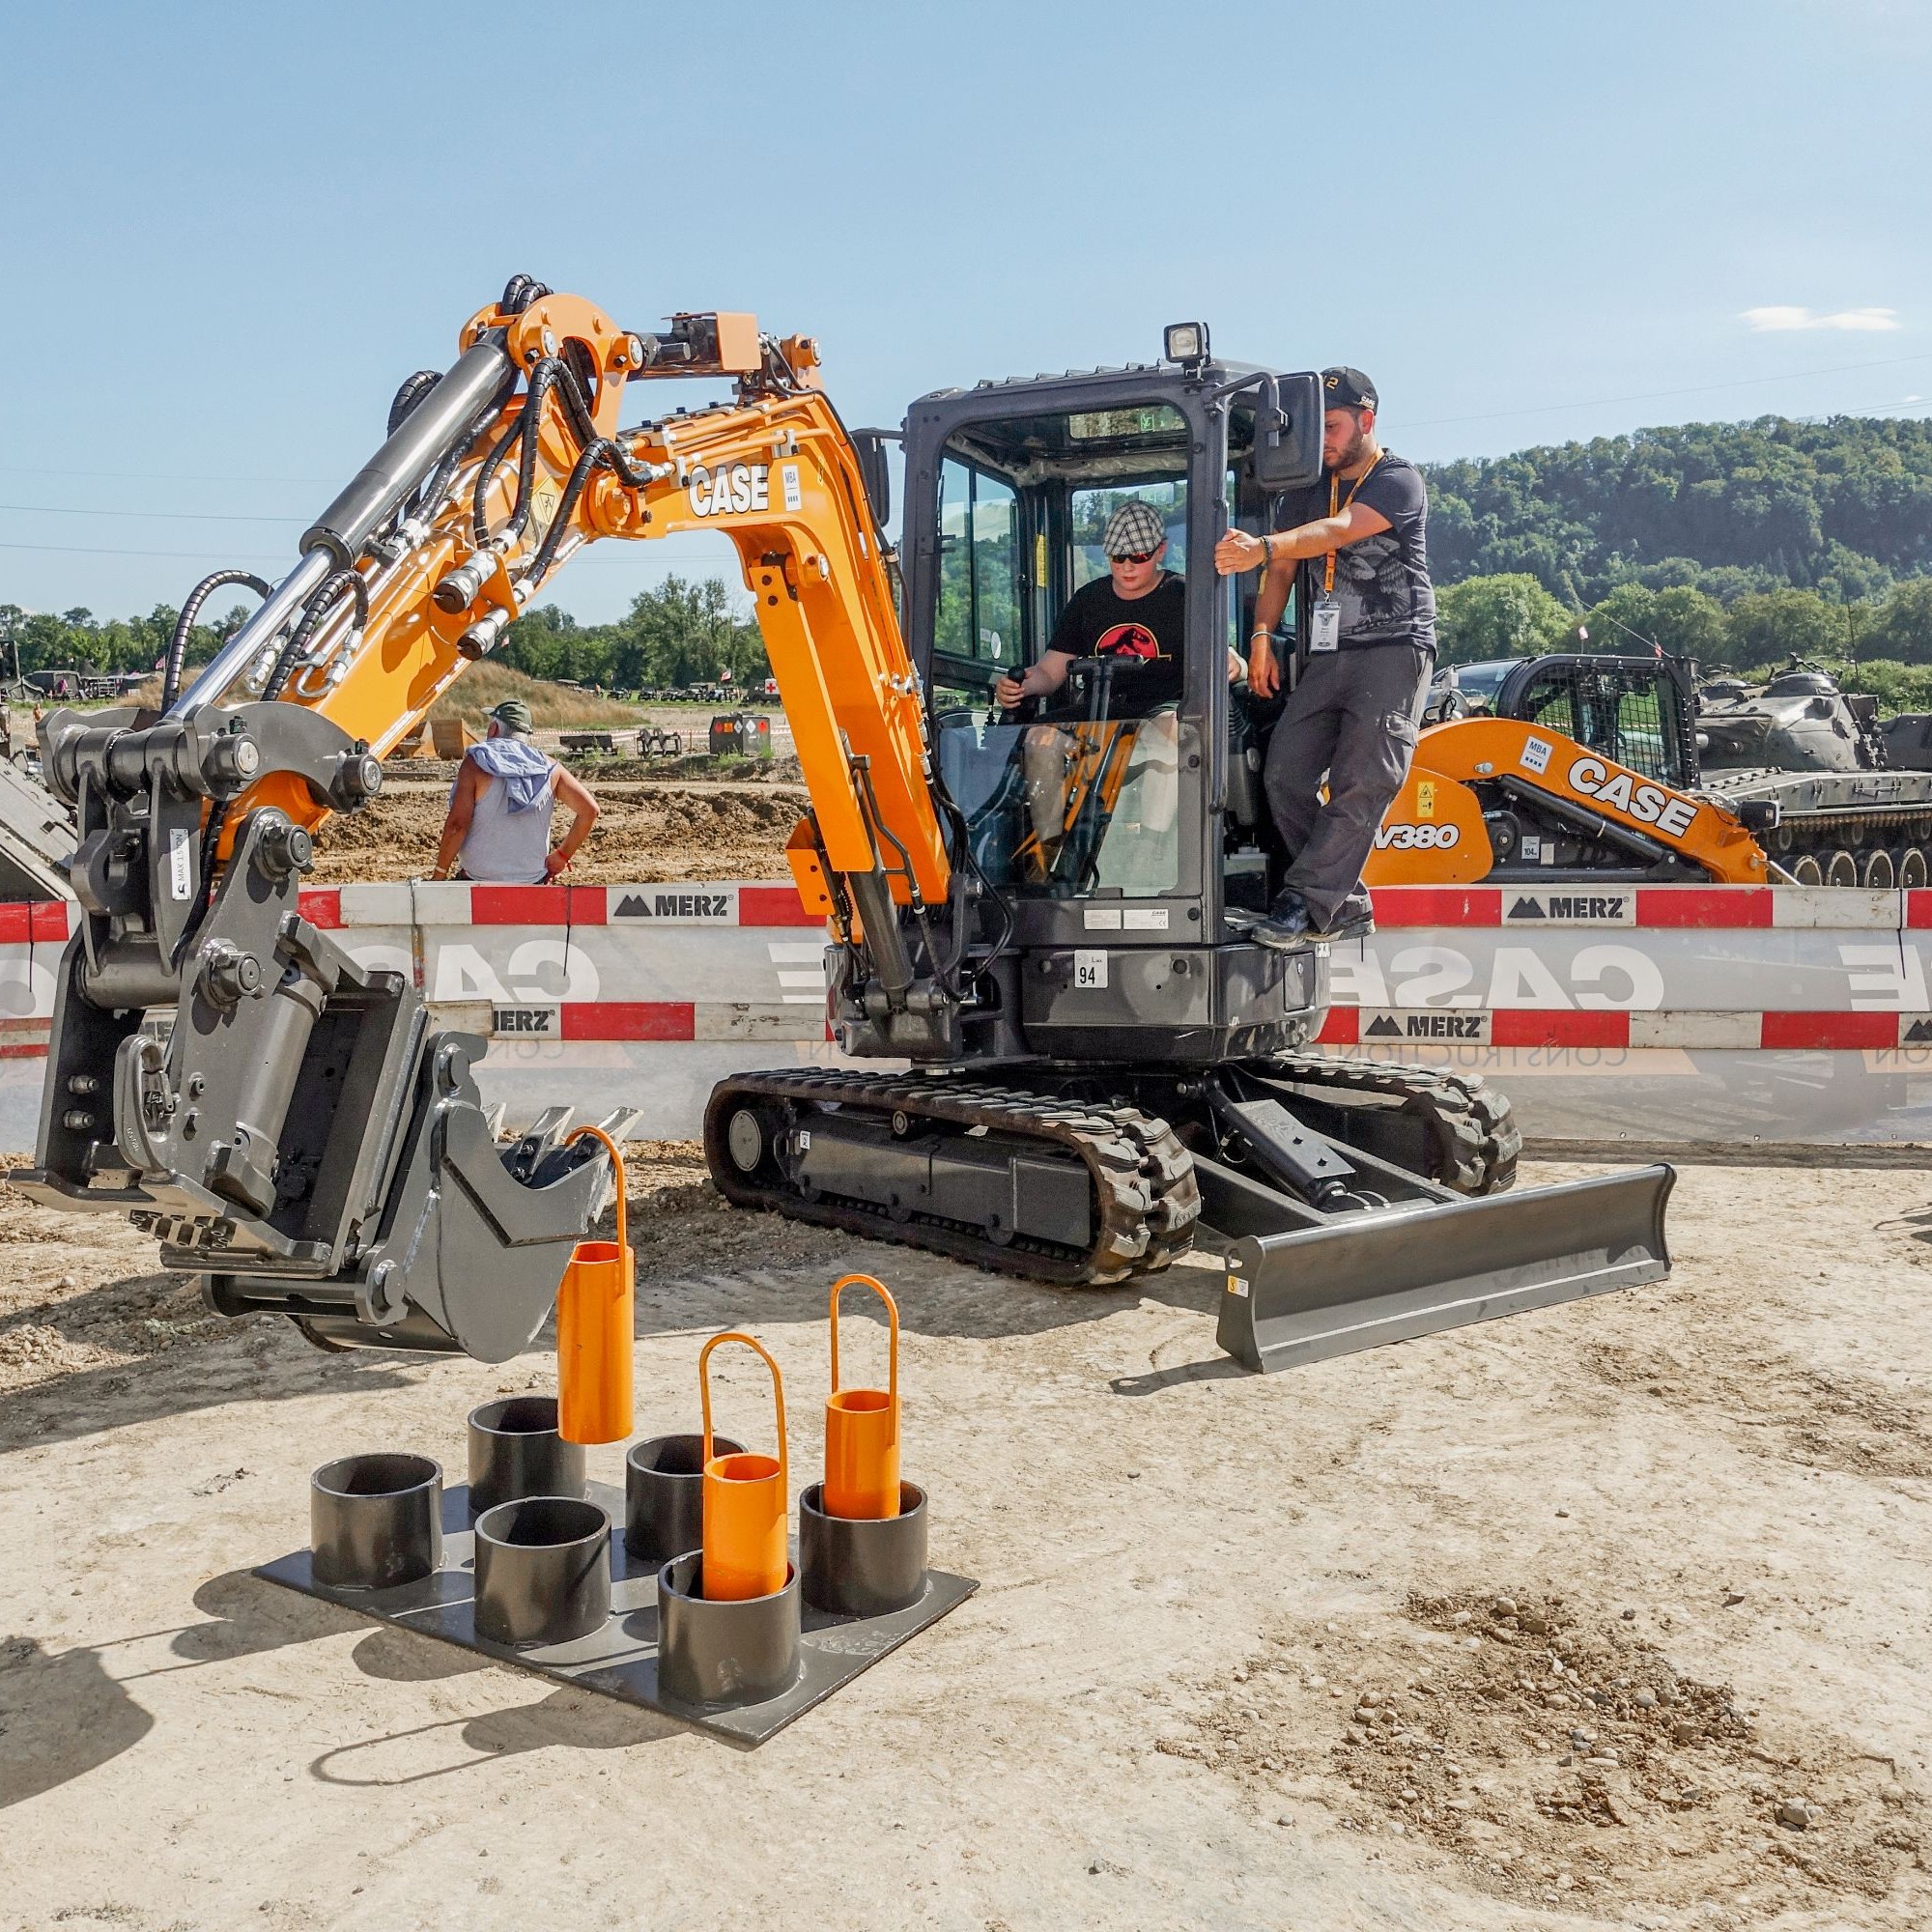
[1577, 785]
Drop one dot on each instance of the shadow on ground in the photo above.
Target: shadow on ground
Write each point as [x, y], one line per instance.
[168, 1360]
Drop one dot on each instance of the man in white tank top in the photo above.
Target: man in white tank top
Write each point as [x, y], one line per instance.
[501, 806]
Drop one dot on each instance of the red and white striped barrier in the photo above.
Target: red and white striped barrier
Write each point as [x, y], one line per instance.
[1734, 1031]
[457, 902]
[1678, 908]
[1774, 1013]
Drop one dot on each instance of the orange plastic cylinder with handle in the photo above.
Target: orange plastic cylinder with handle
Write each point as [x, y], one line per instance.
[862, 1428]
[746, 1500]
[595, 1328]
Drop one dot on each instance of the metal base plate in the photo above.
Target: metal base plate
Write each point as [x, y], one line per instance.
[621, 1659]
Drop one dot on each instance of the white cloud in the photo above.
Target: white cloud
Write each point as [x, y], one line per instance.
[1858, 320]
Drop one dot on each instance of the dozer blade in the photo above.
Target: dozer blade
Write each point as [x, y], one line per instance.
[1376, 1277]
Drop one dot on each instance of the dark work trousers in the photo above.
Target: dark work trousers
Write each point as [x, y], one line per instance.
[1355, 717]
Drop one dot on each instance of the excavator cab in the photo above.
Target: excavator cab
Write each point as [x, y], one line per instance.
[1636, 710]
[1106, 1064]
[1125, 843]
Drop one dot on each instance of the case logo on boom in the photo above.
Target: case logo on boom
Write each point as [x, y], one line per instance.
[1648, 804]
[736, 486]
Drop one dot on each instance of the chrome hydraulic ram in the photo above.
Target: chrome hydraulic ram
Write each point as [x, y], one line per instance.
[481, 376]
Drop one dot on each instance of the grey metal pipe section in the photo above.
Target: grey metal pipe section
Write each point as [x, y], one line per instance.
[479, 378]
[232, 659]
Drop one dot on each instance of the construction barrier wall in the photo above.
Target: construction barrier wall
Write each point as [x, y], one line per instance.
[1739, 1013]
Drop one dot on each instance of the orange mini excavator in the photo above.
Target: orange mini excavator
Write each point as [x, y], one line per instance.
[1102, 1061]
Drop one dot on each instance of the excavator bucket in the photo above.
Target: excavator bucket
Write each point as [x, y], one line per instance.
[1390, 1275]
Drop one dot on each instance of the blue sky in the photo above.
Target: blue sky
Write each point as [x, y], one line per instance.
[230, 231]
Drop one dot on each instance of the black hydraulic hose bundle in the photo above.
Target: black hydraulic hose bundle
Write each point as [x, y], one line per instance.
[597, 452]
[524, 430]
[314, 612]
[171, 671]
[600, 453]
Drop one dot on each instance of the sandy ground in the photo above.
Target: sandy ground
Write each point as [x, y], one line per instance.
[646, 832]
[1535, 1624]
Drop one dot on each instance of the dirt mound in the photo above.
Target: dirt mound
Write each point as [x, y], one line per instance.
[646, 834]
[1558, 1754]
[485, 686]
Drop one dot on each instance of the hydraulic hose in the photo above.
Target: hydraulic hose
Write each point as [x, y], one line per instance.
[171, 671]
[595, 455]
[551, 374]
[317, 608]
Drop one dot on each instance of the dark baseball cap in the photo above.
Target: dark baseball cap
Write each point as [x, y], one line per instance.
[1346, 389]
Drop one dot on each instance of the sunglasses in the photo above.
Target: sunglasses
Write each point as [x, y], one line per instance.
[1134, 556]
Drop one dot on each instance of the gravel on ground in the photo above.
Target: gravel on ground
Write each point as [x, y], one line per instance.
[1612, 1614]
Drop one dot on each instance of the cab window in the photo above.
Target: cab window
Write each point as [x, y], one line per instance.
[978, 616]
[1091, 509]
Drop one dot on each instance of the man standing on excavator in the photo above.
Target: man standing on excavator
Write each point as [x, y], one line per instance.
[1355, 540]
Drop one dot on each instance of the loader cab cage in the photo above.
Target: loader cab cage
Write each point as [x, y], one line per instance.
[1633, 710]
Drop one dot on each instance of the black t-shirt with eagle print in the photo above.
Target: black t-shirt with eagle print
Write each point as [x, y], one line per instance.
[1140, 635]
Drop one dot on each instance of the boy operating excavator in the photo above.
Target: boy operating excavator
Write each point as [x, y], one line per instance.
[1132, 617]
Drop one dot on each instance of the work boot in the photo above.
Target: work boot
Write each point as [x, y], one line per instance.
[1354, 918]
[1288, 923]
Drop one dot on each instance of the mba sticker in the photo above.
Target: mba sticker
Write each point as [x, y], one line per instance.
[1536, 754]
[181, 863]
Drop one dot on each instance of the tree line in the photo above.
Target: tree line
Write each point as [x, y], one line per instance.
[1842, 507]
[1740, 545]
[678, 633]
[1883, 645]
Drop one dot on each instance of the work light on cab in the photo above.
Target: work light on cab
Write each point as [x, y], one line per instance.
[1185, 343]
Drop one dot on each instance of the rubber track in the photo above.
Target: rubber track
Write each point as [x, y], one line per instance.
[1144, 1181]
[1470, 1126]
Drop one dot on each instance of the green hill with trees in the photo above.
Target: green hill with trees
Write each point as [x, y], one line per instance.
[1738, 544]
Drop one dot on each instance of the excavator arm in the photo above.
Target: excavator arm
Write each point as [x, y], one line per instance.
[288, 1123]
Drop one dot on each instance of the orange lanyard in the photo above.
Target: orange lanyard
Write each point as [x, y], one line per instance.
[1334, 486]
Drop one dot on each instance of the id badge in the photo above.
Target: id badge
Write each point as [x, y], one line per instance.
[1325, 631]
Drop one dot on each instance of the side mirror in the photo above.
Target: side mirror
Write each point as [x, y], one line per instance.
[1287, 438]
[870, 446]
